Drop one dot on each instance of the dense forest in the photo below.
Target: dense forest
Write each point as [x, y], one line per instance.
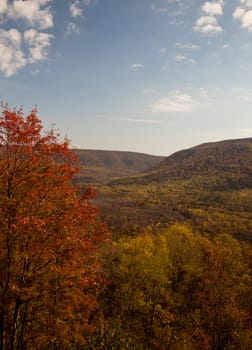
[160, 258]
[208, 187]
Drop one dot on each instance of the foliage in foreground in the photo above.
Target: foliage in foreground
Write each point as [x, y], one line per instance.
[179, 291]
[168, 289]
[50, 274]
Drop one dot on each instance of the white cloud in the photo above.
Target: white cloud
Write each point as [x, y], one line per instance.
[144, 121]
[239, 13]
[130, 120]
[187, 46]
[183, 58]
[3, 6]
[38, 44]
[212, 8]
[75, 9]
[247, 20]
[34, 16]
[180, 58]
[33, 12]
[158, 9]
[210, 28]
[11, 55]
[205, 20]
[136, 66]
[20, 48]
[244, 14]
[177, 101]
[207, 23]
[72, 28]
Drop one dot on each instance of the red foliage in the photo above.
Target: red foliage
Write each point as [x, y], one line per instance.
[49, 240]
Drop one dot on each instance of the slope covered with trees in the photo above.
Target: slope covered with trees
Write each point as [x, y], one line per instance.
[208, 186]
[225, 164]
[173, 278]
[97, 166]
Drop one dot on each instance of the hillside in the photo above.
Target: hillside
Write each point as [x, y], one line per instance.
[98, 166]
[225, 164]
[208, 186]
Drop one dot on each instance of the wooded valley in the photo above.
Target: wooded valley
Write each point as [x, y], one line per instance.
[160, 258]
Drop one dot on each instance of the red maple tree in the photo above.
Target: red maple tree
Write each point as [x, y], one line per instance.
[49, 240]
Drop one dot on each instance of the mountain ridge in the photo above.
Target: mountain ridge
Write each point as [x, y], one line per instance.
[98, 166]
[227, 158]
[208, 186]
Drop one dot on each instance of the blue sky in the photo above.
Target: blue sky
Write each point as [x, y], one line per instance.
[152, 76]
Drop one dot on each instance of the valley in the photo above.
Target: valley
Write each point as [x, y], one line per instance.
[208, 187]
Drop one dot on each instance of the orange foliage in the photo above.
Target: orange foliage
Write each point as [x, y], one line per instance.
[49, 240]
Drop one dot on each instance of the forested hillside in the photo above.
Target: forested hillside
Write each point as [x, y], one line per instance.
[208, 186]
[98, 166]
[225, 164]
[170, 276]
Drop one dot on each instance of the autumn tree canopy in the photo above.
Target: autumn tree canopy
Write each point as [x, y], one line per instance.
[49, 240]
[178, 290]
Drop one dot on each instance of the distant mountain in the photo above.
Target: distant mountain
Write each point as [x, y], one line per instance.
[208, 186]
[98, 166]
[220, 165]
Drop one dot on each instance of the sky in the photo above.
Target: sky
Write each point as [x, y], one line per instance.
[151, 76]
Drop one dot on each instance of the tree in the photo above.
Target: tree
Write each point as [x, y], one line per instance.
[49, 240]
[136, 298]
[178, 290]
[222, 294]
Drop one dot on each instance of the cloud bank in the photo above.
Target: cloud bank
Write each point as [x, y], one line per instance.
[207, 23]
[18, 48]
[243, 13]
